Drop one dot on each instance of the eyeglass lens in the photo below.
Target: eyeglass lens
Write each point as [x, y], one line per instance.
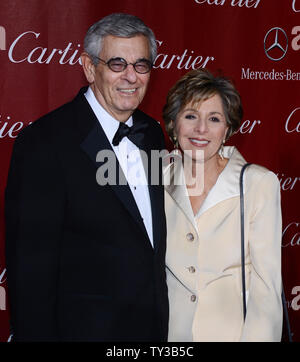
[119, 64]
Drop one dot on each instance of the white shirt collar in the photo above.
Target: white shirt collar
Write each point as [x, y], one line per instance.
[107, 122]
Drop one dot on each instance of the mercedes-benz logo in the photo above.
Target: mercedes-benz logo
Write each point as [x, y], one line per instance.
[275, 40]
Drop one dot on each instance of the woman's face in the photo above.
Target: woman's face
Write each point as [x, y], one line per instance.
[202, 127]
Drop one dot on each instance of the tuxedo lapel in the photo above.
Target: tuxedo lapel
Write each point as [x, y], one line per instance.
[156, 202]
[95, 140]
[154, 177]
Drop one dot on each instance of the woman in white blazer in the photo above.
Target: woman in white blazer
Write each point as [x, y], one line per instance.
[202, 202]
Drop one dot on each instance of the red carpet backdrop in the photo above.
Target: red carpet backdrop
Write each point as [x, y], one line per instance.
[254, 42]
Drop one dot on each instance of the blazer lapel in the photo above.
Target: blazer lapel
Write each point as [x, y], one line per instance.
[227, 184]
[94, 141]
[174, 182]
[226, 187]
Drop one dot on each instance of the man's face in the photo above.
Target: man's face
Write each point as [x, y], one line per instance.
[120, 93]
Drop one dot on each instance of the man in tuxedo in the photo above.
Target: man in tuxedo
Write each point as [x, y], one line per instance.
[85, 259]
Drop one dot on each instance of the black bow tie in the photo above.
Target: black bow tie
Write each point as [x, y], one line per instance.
[135, 134]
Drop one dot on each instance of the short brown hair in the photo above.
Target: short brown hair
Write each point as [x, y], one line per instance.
[199, 85]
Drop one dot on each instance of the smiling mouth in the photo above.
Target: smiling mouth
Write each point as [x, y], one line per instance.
[128, 91]
[199, 143]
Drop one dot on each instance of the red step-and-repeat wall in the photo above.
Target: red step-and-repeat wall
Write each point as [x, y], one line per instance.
[254, 42]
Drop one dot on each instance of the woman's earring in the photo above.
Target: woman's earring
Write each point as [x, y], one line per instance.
[221, 153]
[175, 141]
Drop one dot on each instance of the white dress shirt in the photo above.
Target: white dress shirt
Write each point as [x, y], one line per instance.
[129, 158]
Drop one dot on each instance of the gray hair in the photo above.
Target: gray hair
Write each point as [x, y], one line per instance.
[121, 25]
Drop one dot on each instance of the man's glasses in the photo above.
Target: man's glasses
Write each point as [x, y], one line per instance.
[141, 66]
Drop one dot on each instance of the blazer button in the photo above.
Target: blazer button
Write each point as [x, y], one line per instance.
[190, 237]
[191, 269]
[193, 298]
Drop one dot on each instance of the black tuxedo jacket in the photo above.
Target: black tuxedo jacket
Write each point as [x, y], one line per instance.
[80, 265]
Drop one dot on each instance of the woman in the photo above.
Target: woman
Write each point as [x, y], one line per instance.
[203, 221]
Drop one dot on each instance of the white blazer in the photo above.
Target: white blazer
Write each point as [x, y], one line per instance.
[204, 257]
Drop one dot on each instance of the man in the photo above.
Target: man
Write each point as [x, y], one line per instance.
[85, 260]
